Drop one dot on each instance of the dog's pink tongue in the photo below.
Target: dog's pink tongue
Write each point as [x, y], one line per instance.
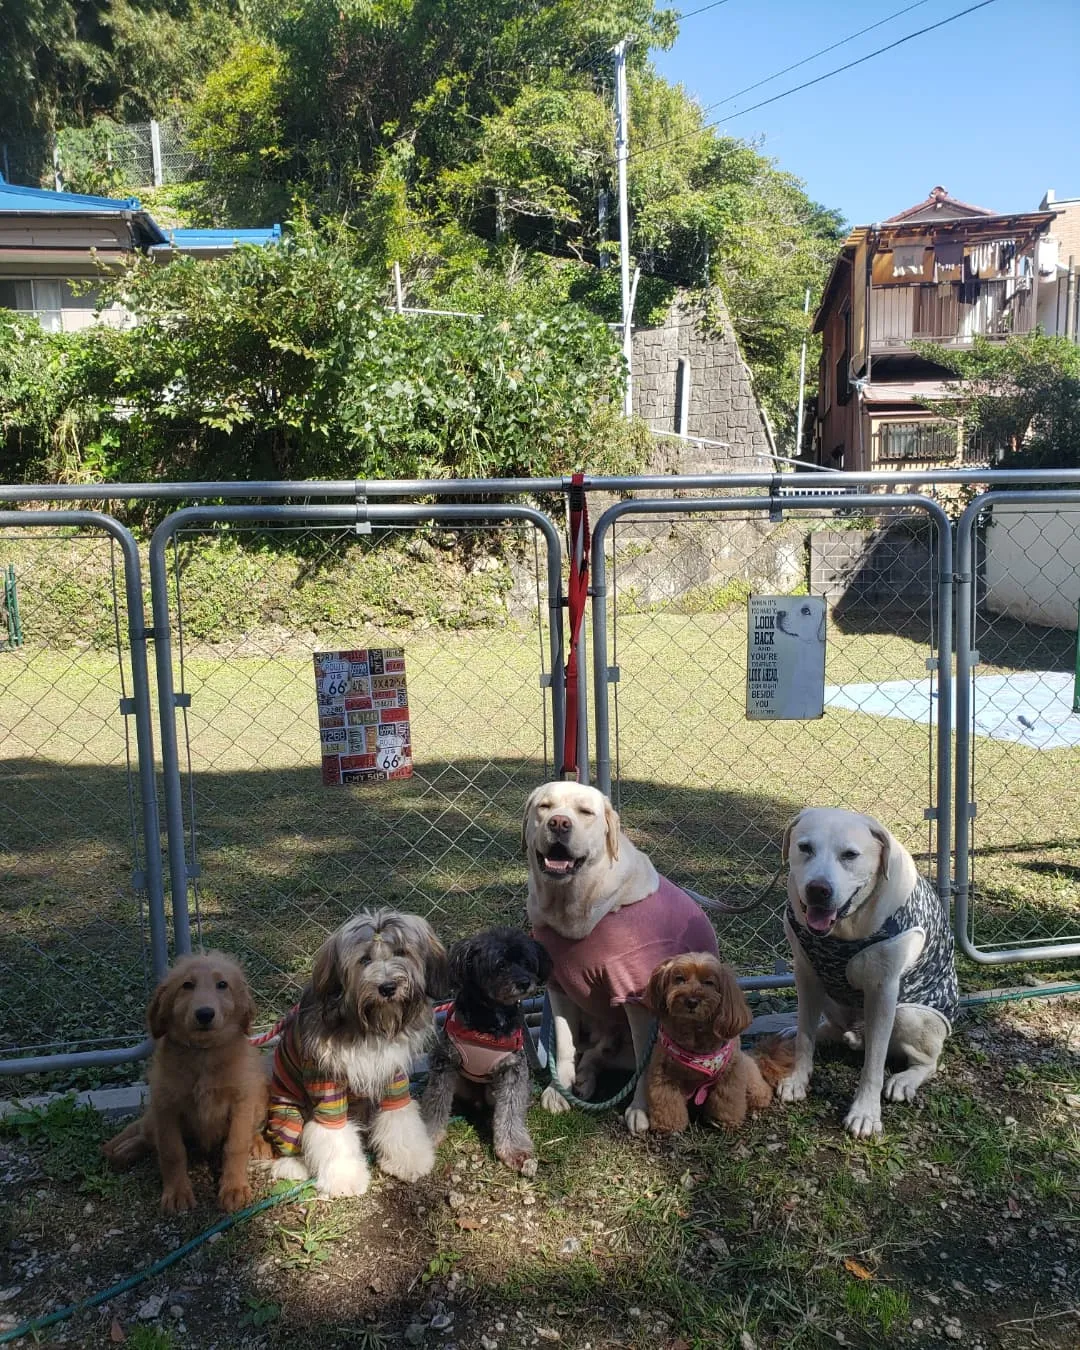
[559, 865]
[819, 920]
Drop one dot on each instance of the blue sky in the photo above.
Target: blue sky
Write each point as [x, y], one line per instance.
[988, 106]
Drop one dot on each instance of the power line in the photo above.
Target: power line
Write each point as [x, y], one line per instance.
[850, 65]
[715, 5]
[814, 55]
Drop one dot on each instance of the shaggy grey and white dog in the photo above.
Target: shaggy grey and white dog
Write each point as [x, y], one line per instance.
[345, 1054]
[480, 1051]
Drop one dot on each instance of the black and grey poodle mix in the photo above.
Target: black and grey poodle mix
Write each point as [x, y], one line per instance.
[480, 1052]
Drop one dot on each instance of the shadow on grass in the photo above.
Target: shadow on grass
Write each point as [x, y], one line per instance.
[283, 860]
[1003, 643]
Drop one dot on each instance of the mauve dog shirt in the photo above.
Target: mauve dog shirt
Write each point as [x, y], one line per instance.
[612, 965]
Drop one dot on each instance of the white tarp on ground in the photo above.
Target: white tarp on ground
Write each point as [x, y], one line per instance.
[1032, 708]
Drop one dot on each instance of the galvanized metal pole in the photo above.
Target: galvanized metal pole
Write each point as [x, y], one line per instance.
[622, 154]
[802, 381]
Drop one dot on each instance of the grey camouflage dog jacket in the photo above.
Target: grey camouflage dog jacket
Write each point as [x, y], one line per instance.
[931, 981]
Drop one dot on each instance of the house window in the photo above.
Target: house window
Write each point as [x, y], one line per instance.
[922, 441]
[57, 307]
[682, 397]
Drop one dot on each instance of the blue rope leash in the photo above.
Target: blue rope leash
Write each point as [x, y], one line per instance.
[37, 1324]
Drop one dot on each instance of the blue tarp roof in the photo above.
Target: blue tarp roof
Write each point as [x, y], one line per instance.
[14, 198]
[207, 239]
[45, 201]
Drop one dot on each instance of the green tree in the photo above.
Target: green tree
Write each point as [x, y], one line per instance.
[1021, 395]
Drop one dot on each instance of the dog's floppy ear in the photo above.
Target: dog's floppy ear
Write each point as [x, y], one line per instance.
[656, 991]
[436, 967]
[458, 962]
[612, 827]
[733, 1013]
[159, 1014]
[526, 815]
[884, 838]
[327, 982]
[245, 1004]
[785, 842]
[543, 961]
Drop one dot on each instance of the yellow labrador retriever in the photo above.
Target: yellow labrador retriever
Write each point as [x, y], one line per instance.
[607, 919]
[873, 952]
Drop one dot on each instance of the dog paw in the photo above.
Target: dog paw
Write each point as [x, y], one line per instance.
[863, 1121]
[853, 1040]
[408, 1165]
[792, 1089]
[902, 1087]
[517, 1159]
[289, 1169]
[551, 1099]
[234, 1197]
[585, 1085]
[637, 1120]
[341, 1180]
[261, 1149]
[177, 1198]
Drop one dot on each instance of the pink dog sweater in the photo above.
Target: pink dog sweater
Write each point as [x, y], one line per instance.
[612, 965]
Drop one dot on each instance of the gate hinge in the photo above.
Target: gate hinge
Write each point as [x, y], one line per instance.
[193, 871]
[973, 810]
[181, 700]
[545, 681]
[974, 658]
[614, 674]
[932, 663]
[138, 880]
[127, 707]
[930, 813]
[961, 578]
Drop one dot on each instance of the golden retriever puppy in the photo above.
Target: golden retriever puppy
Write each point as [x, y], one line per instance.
[697, 1059]
[208, 1084]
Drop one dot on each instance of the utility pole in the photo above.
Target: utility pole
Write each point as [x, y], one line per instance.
[622, 148]
[802, 380]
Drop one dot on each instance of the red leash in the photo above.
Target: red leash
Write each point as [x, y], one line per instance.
[577, 598]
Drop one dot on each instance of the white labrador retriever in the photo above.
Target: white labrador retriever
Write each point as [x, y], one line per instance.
[607, 919]
[873, 952]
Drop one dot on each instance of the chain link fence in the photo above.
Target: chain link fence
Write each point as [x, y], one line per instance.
[1018, 760]
[707, 791]
[76, 965]
[105, 158]
[278, 859]
[265, 858]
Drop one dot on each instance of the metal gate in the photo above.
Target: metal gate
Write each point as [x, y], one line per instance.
[263, 861]
[83, 937]
[1017, 741]
[672, 617]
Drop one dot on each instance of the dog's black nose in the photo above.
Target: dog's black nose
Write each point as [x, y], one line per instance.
[690, 1004]
[560, 824]
[819, 892]
[388, 989]
[204, 1016]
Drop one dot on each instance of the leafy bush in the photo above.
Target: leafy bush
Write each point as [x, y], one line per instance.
[285, 362]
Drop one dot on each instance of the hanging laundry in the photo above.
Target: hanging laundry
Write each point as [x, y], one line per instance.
[949, 253]
[1007, 254]
[970, 292]
[908, 260]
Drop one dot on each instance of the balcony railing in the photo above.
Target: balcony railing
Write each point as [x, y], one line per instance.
[900, 316]
[924, 443]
